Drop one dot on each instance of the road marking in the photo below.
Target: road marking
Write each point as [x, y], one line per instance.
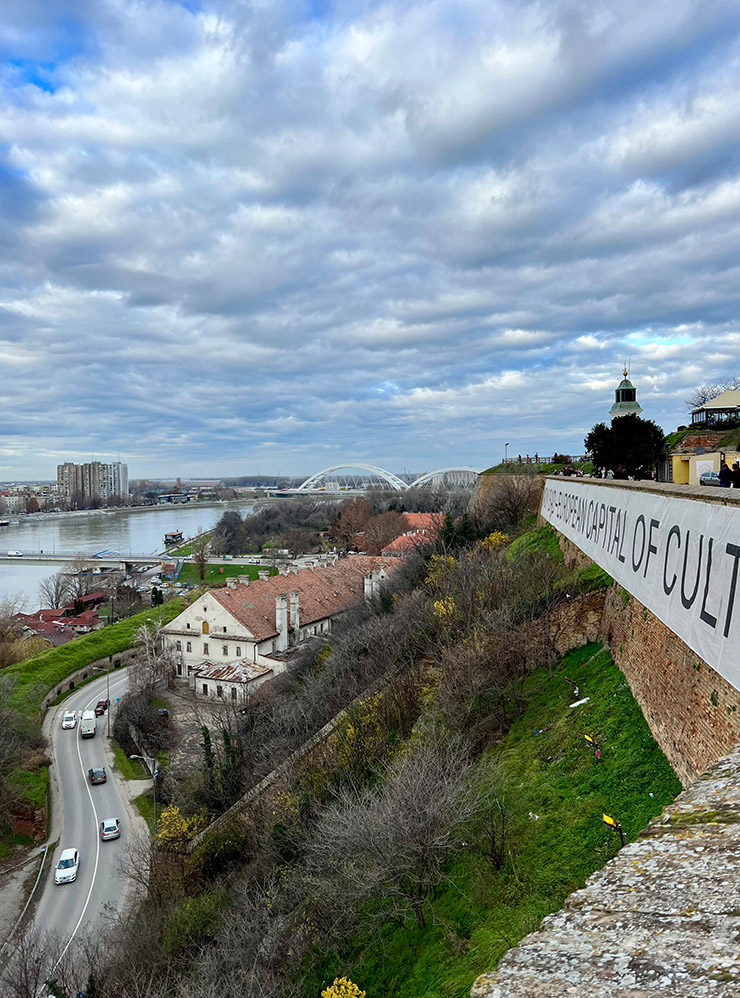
[97, 852]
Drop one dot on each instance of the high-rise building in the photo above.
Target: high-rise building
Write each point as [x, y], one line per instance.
[83, 483]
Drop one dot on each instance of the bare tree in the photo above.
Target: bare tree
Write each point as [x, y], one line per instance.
[200, 557]
[56, 590]
[381, 530]
[392, 844]
[155, 660]
[80, 578]
[507, 500]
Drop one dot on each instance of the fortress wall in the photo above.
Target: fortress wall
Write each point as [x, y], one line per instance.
[692, 710]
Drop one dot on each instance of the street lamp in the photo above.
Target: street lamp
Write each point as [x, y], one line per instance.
[99, 668]
[506, 452]
[155, 773]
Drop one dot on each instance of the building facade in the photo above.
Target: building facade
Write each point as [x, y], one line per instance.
[81, 484]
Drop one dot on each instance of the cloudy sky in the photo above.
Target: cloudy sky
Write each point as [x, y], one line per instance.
[268, 236]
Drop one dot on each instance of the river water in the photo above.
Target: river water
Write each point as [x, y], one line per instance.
[130, 531]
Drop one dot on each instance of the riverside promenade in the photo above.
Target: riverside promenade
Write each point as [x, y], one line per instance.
[660, 919]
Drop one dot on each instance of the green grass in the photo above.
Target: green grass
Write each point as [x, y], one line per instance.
[555, 794]
[536, 469]
[541, 539]
[33, 678]
[31, 785]
[145, 806]
[216, 574]
[594, 577]
[130, 769]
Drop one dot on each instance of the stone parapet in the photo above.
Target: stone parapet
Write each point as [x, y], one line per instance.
[660, 919]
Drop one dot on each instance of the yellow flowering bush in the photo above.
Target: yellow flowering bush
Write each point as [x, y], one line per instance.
[342, 988]
[439, 566]
[445, 610]
[174, 829]
[495, 540]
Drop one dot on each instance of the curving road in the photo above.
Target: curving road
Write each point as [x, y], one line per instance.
[78, 809]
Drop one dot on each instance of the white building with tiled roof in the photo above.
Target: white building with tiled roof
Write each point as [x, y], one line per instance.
[251, 621]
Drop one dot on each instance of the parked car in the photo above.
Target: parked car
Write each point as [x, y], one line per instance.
[709, 478]
[100, 707]
[97, 774]
[110, 828]
[67, 867]
[69, 720]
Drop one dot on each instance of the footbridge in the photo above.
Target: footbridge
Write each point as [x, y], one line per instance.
[360, 477]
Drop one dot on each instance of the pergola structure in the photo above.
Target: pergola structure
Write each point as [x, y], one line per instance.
[720, 413]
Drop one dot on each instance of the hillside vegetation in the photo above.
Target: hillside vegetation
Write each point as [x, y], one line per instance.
[455, 804]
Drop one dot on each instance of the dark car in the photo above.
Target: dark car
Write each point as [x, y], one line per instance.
[100, 707]
[97, 775]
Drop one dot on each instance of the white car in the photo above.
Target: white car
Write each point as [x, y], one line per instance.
[67, 867]
[110, 828]
[69, 720]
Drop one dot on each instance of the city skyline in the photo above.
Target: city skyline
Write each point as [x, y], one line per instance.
[243, 240]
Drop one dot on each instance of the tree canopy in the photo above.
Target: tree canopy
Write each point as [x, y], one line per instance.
[705, 393]
[633, 444]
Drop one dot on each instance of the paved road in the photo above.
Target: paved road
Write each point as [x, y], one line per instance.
[68, 909]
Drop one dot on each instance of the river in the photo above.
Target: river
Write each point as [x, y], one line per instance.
[130, 531]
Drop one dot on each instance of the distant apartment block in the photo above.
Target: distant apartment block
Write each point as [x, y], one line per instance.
[81, 484]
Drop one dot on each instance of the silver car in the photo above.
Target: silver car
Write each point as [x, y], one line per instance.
[69, 863]
[110, 828]
[69, 720]
[709, 478]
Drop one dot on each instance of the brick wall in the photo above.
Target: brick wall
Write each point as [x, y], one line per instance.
[693, 713]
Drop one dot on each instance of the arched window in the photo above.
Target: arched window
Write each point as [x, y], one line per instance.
[205, 627]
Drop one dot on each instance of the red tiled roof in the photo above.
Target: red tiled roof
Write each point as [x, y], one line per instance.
[323, 592]
[407, 542]
[424, 521]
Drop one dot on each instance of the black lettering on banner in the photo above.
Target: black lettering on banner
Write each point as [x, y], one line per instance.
[621, 555]
[602, 520]
[589, 519]
[675, 531]
[734, 550]
[651, 548]
[617, 532]
[640, 520]
[705, 615]
[688, 603]
[612, 511]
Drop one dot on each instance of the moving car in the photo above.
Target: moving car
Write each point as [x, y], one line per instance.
[67, 867]
[110, 828]
[88, 724]
[15, 554]
[97, 774]
[70, 719]
[709, 478]
[100, 707]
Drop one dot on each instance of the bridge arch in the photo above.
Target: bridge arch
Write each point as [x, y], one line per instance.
[395, 483]
[459, 477]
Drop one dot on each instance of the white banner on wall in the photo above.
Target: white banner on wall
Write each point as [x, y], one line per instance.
[679, 557]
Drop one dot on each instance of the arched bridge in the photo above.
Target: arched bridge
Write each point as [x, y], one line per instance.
[360, 477]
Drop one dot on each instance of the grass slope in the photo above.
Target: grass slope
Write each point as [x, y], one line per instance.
[216, 574]
[555, 794]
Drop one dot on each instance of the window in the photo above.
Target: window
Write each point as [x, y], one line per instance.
[205, 609]
[205, 689]
[205, 647]
[233, 693]
[224, 630]
[226, 649]
[219, 691]
[238, 651]
[178, 645]
[188, 626]
[205, 627]
[189, 646]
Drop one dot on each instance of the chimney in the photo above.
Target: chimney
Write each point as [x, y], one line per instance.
[231, 583]
[263, 574]
[375, 576]
[295, 598]
[367, 582]
[281, 622]
[243, 580]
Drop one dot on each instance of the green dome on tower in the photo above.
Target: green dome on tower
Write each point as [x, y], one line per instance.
[626, 398]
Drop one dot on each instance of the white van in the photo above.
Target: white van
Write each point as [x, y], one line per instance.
[15, 554]
[88, 724]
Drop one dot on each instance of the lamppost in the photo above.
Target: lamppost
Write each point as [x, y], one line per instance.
[99, 668]
[506, 452]
[155, 773]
